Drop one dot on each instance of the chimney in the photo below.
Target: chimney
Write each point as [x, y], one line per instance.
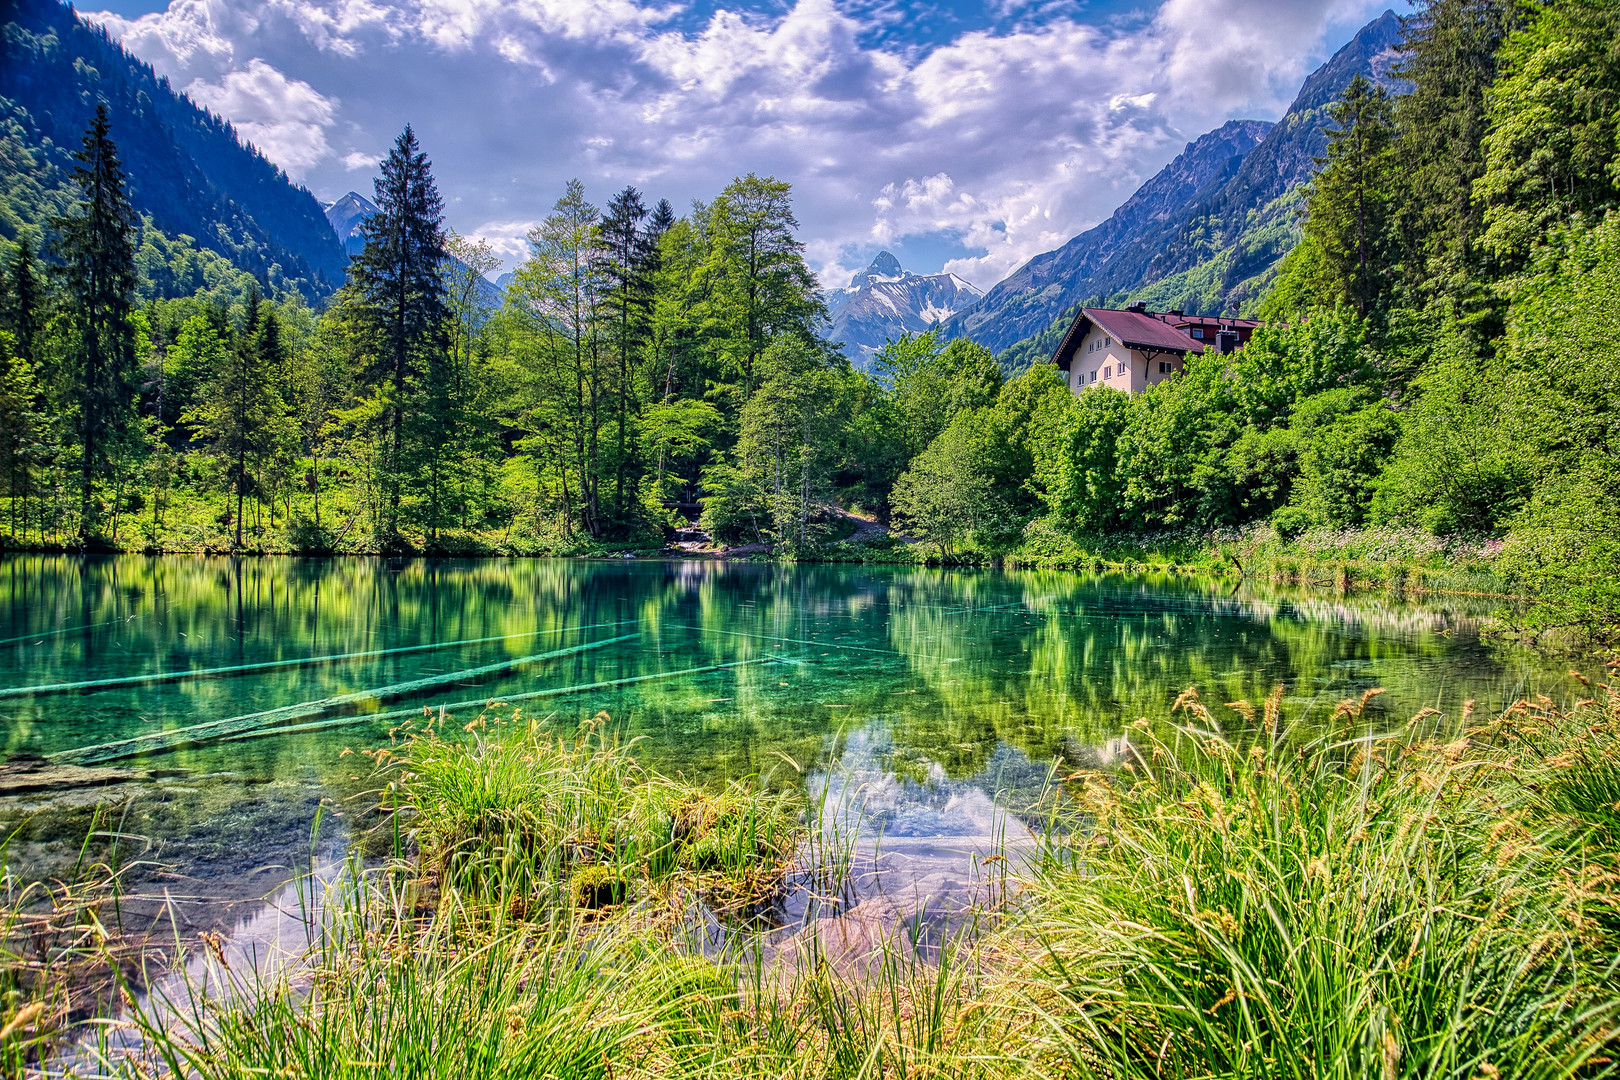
[1176, 313]
[1226, 341]
[1140, 307]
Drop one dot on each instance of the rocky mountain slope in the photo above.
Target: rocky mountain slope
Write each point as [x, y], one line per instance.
[346, 216]
[1205, 235]
[1027, 300]
[885, 300]
[187, 169]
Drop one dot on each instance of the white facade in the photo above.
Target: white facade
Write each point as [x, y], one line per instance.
[1102, 361]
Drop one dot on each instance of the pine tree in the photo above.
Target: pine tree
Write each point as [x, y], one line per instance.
[96, 248]
[622, 257]
[400, 276]
[1350, 200]
[23, 300]
[1450, 57]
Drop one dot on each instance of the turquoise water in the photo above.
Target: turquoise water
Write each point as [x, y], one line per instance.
[944, 682]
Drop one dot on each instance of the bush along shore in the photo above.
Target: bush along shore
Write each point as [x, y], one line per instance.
[1240, 897]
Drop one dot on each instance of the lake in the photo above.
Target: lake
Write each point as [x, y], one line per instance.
[236, 694]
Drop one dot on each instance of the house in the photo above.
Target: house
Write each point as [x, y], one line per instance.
[1133, 349]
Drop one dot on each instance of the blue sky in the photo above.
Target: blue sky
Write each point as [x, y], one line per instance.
[960, 136]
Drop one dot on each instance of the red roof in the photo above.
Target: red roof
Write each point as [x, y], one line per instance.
[1133, 329]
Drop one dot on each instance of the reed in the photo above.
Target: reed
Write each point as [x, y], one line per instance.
[1349, 906]
[525, 818]
[61, 944]
[1435, 901]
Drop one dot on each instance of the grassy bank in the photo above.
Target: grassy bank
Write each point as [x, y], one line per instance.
[1240, 897]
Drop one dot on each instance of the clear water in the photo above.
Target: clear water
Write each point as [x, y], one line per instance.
[942, 688]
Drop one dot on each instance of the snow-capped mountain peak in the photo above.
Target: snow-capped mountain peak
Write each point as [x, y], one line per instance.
[886, 300]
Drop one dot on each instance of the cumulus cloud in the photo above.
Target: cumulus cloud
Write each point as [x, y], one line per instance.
[285, 118]
[993, 143]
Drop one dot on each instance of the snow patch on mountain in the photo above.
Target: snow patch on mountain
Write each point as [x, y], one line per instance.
[886, 300]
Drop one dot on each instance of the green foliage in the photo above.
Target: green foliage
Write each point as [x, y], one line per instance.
[1242, 903]
[947, 494]
[780, 469]
[98, 274]
[1550, 154]
[1343, 447]
[1351, 201]
[1450, 58]
[1567, 375]
[1086, 487]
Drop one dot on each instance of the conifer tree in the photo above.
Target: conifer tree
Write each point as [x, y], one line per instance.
[23, 300]
[1450, 59]
[659, 221]
[1350, 200]
[96, 248]
[400, 277]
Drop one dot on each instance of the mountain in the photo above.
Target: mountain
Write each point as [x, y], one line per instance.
[346, 216]
[187, 169]
[1027, 301]
[1211, 253]
[885, 300]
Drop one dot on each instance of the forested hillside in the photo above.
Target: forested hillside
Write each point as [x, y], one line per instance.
[1439, 374]
[189, 175]
[1215, 253]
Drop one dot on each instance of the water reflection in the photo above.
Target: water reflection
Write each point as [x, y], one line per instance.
[951, 681]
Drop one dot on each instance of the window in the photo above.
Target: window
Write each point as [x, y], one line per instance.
[1166, 367]
[1198, 331]
[1108, 372]
[1093, 376]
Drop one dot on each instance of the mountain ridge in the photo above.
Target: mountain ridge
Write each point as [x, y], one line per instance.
[886, 300]
[1022, 303]
[186, 168]
[1212, 253]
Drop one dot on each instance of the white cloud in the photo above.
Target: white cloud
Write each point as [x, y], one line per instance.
[1007, 141]
[285, 118]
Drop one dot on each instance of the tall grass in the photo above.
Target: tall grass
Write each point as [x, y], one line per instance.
[1351, 906]
[1439, 901]
[61, 942]
[518, 819]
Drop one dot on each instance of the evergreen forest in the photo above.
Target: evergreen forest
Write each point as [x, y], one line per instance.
[1438, 360]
